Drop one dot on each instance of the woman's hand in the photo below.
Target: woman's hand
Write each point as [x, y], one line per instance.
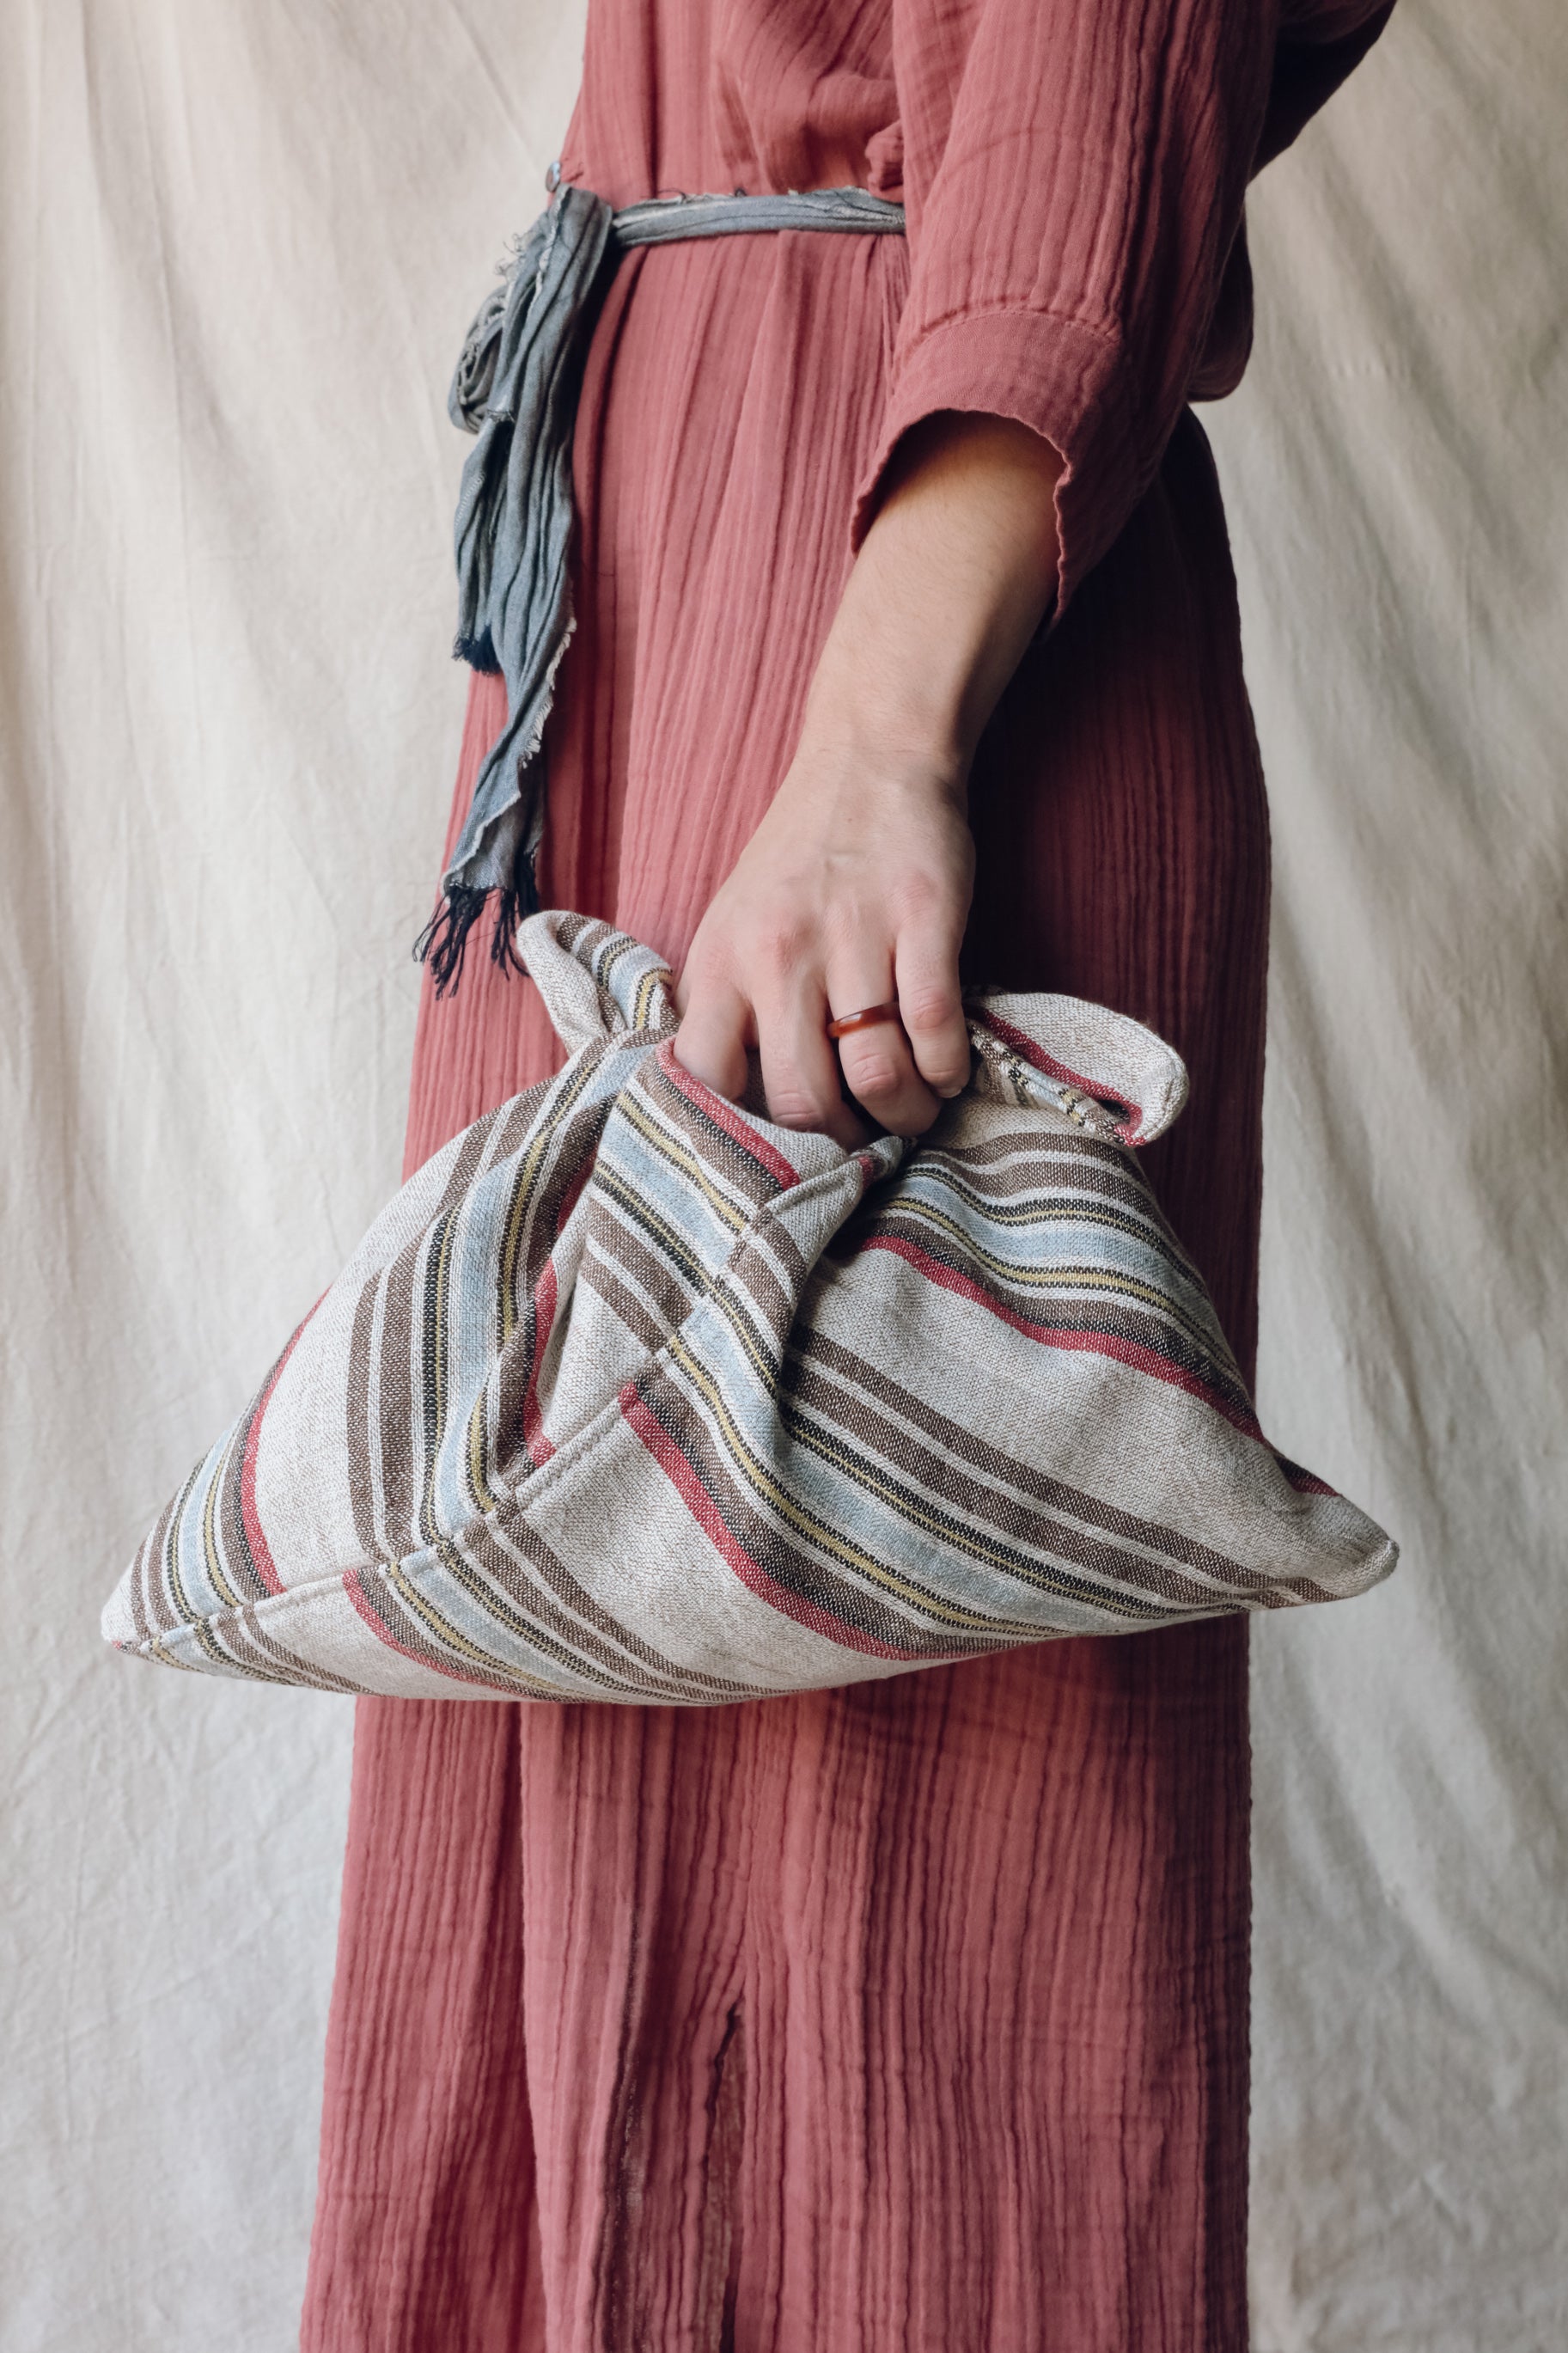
[855, 888]
[852, 892]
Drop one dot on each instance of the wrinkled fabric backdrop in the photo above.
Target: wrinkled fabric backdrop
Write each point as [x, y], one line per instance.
[241, 241]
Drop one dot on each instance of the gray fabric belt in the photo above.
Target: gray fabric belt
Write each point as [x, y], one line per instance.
[516, 388]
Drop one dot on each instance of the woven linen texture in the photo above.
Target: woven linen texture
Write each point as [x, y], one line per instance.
[632, 1395]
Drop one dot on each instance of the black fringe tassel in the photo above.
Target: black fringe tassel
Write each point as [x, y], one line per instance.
[443, 942]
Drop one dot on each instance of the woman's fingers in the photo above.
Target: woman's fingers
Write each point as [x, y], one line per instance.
[800, 1064]
[897, 1070]
[931, 1006]
[715, 1024]
[877, 1064]
[800, 1068]
[865, 910]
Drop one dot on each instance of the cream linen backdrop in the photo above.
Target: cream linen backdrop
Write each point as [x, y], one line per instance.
[242, 239]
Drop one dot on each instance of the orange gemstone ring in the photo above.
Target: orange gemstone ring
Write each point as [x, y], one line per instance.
[867, 1019]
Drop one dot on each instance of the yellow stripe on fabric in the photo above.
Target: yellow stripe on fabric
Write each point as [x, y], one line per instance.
[434, 1623]
[634, 1206]
[647, 988]
[1080, 1208]
[219, 1582]
[1089, 1279]
[479, 1455]
[816, 1531]
[525, 1199]
[447, 1634]
[681, 1158]
[434, 1356]
[910, 1505]
[181, 1598]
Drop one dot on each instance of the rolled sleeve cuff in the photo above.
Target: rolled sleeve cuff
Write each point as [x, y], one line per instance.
[1064, 379]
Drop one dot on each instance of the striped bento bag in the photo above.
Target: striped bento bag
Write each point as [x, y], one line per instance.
[631, 1395]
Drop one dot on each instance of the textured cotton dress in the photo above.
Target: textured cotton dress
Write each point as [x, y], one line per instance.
[910, 2018]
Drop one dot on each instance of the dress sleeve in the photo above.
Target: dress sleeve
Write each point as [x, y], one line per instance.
[1074, 174]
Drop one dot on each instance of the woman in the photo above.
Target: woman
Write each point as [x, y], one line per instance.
[913, 2015]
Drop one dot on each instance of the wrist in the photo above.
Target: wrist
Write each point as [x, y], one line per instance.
[875, 706]
[861, 756]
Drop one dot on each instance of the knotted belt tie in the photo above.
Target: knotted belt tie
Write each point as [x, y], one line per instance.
[516, 388]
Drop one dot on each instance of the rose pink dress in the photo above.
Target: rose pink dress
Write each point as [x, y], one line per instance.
[912, 2018]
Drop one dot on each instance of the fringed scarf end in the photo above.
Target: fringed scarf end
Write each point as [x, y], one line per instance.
[478, 652]
[512, 907]
[444, 942]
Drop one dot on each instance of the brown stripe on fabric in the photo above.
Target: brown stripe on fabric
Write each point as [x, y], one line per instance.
[599, 1277]
[1098, 1171]
[602, 956]
[146, 1578]
[571, 927]
[566, 1141]
[1074, 1160]
[1064, 1172]
[246, 1641]
[398, 1580]
[959, 1439]
[435, 1401]
[590, 1624]
[1025, 1190]
[1106, 1301]
[915, 1210]
[750, 1272]
[357, 1442]
[546, 1169]
[693, 1165]
[517, 1116]
[864, 1431]
[542, 1186]
[1292, 1592]
[159, 1650]
[394, 1402]
[1034, 1213]
[408, 1632]
[214, 1552]
[1011, 1137]
[247, 1625]
[1033, 1201]
[398, 1602]
[464, 1165]
[670, 1295]
[174, 1605]
[200, 1630]
[647, 1015]
[394, 1399]
[244, 1575]
[711, 1143]
[640, 1213]
[1024, 1280]
[810, 1578]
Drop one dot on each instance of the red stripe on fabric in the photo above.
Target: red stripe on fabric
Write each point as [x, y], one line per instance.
[249, 1518]
[361, 1601]
[725, 1116]
[1131, 1127]
[706, 1512]
[1100, 1343]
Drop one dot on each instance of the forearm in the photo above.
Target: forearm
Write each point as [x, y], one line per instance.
[853, 889]
[952, 579]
